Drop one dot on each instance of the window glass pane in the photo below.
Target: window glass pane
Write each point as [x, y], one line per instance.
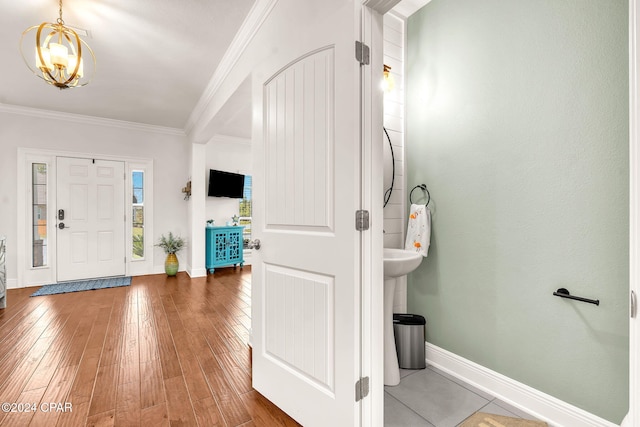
[39, 194]
[39, 173]
[138, 243]
[138, 196]
[137, 215]
[138, 179]
[39, 214]
[245, 210]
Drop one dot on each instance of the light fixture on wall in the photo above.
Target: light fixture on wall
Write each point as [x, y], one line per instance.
[59, 59]
[388, 84]
[187, 190]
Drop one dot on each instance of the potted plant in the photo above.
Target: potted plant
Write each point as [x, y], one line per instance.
[171, 245]
[211, 222]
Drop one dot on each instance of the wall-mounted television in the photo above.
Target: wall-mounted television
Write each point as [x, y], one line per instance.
[225, 184]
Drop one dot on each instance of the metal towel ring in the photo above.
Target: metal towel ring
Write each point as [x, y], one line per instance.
[423, 187]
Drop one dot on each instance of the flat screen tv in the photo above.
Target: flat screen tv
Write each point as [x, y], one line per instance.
[225, 184]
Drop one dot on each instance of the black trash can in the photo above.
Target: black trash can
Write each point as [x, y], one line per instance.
[408, 330]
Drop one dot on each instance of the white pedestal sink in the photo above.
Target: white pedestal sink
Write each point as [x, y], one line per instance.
[397, 263]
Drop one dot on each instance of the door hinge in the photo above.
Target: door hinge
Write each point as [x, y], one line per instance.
[362, 53]
[362, 220]
[634, 305]
[362, 388]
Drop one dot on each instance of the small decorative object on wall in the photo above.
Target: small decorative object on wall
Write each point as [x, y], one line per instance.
[388, 83]
[211, 222]
[171, 245]
[187, 190]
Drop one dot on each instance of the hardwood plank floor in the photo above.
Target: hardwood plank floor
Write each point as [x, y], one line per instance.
[165, 351]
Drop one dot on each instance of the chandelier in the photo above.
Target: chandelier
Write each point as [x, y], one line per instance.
[59, 59]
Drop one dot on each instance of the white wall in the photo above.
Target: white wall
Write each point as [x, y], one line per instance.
[395, 211]
[51, 131]
[227, 154]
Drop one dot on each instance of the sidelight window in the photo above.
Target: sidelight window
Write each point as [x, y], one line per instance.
[245, 211]
[39, 214]
[137, 221]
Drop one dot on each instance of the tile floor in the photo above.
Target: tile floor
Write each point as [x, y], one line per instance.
[431, 398]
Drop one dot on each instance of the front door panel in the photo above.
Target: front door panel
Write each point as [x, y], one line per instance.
[90, 206]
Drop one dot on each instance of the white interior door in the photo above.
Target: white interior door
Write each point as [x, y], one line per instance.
[90, 218]
[306, 275]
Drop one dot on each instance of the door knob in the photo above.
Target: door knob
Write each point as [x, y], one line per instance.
[61, 226]
[254, 244]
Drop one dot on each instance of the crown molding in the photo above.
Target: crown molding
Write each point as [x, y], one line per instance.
[91, 120]
[243, 37]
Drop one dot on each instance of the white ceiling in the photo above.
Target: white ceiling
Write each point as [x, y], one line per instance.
[154, 57]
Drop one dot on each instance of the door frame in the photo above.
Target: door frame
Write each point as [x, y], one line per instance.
[34, 276]
[633, 417]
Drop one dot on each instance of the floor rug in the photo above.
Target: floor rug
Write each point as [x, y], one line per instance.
[82, 285]
[482, 419]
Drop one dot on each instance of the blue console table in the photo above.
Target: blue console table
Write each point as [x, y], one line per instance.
[224, 247]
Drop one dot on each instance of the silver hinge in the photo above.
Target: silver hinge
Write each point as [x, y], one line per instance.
[634, 305]
[362, 220]
[362, 53]
[362, 388]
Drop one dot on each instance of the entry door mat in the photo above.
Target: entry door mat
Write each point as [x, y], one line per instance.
[82, 285]
[482, 419]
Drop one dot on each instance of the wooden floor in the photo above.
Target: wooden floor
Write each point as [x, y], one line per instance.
[163, 351]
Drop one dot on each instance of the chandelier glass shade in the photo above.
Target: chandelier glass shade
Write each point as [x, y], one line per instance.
[59, 56]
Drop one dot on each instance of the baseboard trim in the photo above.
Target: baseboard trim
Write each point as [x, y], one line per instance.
[12, 284]
[197, 272]
[541, 405]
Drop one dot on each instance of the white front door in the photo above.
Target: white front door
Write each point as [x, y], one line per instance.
[306, 149]
[90, 218]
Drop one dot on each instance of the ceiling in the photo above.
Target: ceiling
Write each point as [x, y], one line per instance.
[154, 57]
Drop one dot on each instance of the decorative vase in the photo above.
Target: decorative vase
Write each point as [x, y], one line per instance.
[171, 265]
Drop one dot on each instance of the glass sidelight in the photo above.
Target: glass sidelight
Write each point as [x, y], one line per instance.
[39, 211]
[137, 221]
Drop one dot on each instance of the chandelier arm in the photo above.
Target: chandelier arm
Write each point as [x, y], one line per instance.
[22, 53]
[73, 75]
[93, 58]
[42, 61]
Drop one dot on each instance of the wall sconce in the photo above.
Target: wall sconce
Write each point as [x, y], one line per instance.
[388, 84]
[187, 190]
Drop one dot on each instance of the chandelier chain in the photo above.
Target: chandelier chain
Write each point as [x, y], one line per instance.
[60, 21]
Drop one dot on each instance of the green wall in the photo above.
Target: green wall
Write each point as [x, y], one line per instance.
[517, 121]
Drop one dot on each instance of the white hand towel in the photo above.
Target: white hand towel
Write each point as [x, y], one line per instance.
[419, 230]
